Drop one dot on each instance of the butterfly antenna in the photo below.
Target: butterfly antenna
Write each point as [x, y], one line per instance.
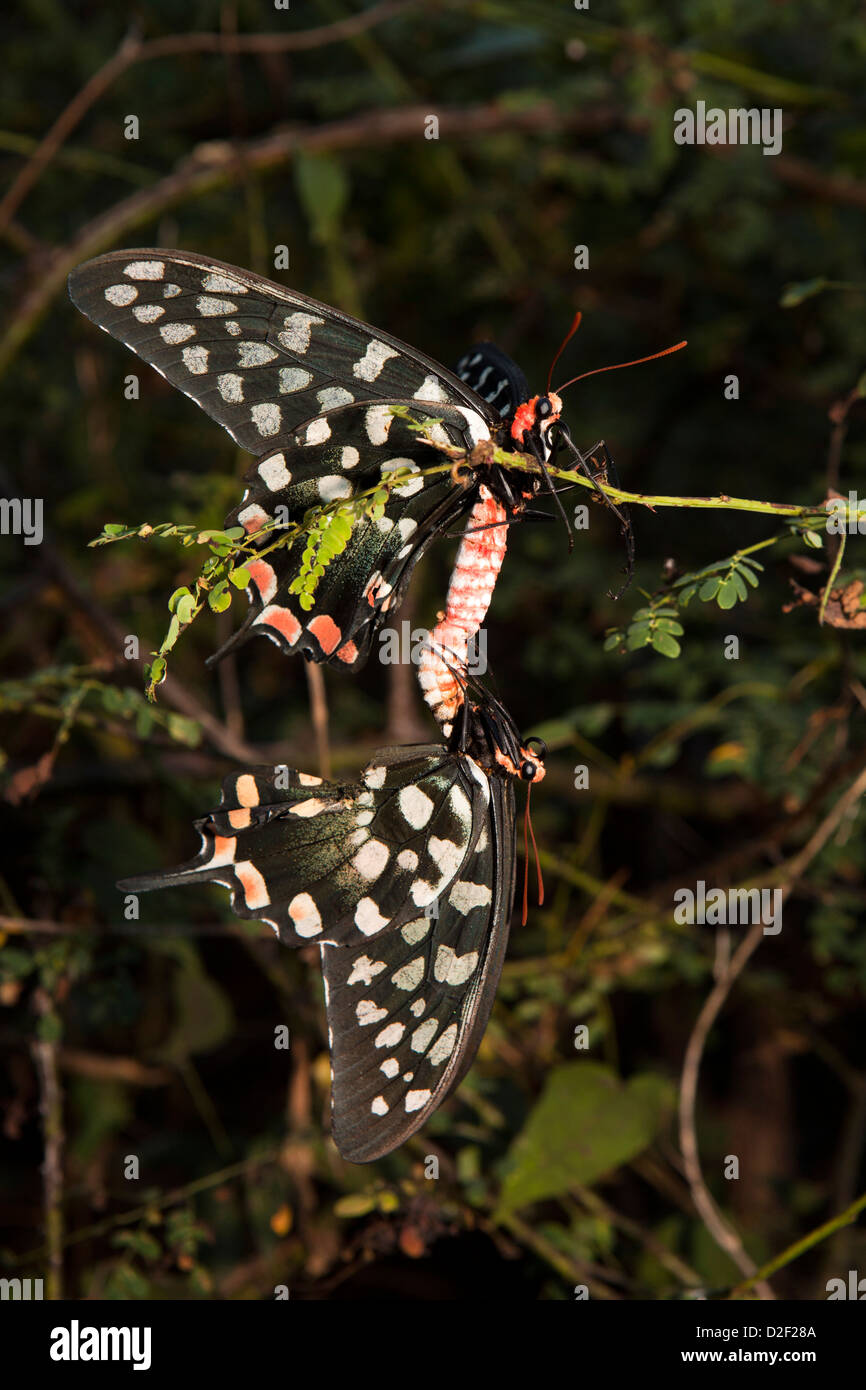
[527, 832]
[575, 324]
[615, 367]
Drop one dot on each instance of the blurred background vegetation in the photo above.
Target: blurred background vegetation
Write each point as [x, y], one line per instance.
[558, 1167]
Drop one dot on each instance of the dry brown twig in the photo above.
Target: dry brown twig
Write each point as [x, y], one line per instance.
[723, 1234]
[134, 50]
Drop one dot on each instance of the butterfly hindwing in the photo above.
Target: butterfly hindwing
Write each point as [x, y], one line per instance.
[321, 862]
[407, 1011]
[340, 461]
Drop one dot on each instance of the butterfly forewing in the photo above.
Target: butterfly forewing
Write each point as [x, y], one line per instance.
[258, 358]
[407, 1012]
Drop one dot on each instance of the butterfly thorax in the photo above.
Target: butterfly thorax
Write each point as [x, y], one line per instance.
[532, 428]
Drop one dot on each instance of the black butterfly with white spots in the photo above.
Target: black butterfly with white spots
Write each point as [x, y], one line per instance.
[406, 881]
[308, 390]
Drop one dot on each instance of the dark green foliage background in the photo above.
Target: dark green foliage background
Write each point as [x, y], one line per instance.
[700, 767]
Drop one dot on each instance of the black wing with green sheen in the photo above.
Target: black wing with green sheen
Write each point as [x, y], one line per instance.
[405, 879]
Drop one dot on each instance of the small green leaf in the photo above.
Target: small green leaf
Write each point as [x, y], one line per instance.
[813, 539]
[708, 590]
[185, 609]
[172, 635]
[355, 1204]
[727, 595]
[176, 598]
[796, 293]
[220, 598]
[240, 577]
[665, 644]
[155, 673]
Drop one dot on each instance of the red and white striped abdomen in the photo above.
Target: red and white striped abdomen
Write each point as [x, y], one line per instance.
[476, 569]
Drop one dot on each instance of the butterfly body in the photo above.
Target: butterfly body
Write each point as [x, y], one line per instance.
[310, 391]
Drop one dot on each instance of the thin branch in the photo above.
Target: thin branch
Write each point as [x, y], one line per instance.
[789, 873]
[133, 50]
[800, 1247]
[218, 164]
[219, 735]
[319, 716]
[169, 1199]
[723, 1234]
[51, 1106]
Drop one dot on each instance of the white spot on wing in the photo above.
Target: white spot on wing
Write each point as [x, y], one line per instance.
[148, 313]
[451, 969]
[367, 1011]
[409, 976]
[465, 896]
[377, 422]
[371, 860]
[144, 270]
[214, 308]
[390, 1036]
[305, 915]
[431, 389]
[274, 473]
[221, 284]
[255, 354]
[417, 807]
[364, 970]
[121, 295]
[368, 918]
[370, 365]
[231, 387]
[174, 333]
[379, 1106]
[267, 417]
[318, 431]
[443, 1047]
[332, 487]
[332, 396]
[424, 1035]
[413, 932]
[195, 359]
[296, 331]
[375, 777]
[294, 379]
[416, 1100]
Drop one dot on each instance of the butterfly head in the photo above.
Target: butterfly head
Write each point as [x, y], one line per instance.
[532, 761]
[490, 735]
[537, 418]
